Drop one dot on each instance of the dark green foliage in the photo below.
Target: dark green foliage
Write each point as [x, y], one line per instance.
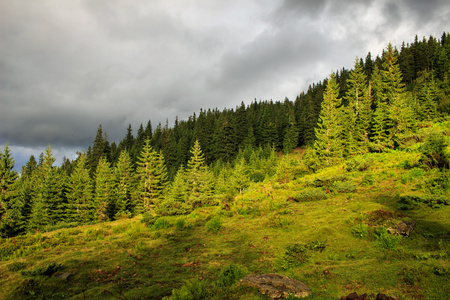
[434, 152]
[17, 266]
[310, 194]
[386, 240]
[45, 270]
[345, 186]
[230, 274]
[358, 164]
[408, 202]
[149, 219]
[194, 289]
[294, 255]
[214, 225]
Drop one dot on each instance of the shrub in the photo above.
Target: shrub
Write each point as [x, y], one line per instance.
[214, 225]
[310, 195]
[408, 202]
[47, 270]
[149, 219]
[231, 274]
[345, 186]
[387, 241]
[193, 289]
[358, 164]
[161, 223]
[434, 152]
[278, 222]
[367, 179]
[17, 266]
[294, 255]
[360, 230]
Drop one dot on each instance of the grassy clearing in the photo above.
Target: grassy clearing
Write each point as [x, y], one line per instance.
[315, 229]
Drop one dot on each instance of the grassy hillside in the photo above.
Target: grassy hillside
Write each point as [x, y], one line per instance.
[326, 229]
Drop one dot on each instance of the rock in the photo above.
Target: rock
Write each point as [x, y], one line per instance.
[404, 228]
[276, 286]
[353, 296]
[63, 276]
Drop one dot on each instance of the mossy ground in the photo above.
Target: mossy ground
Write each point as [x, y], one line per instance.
[125, 259]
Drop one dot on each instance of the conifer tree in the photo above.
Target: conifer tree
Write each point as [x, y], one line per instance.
[151, 178]
[358, 111]
[239, 177]
[11, 218]
[290, 140]
[328, 144]
[199, 179]
[47, 207]
[125, 185]
[401, 118]
[174, 201]
[80, 193]
[379, 136]
[104, 191]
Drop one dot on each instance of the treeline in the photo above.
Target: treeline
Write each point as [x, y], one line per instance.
[376, 106]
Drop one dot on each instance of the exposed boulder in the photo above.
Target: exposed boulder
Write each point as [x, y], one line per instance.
[354, 296]
[404, 228]
[276, 286]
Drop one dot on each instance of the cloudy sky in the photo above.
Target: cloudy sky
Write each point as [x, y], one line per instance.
[68, 66]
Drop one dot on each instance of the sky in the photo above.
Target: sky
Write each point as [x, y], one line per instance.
[68, 66]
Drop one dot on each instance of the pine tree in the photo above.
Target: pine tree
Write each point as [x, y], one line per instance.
[290, 140]
[80, 193]
[125, 185]
[358, 111]
[239, 177]
[104, 191]
[47, 207]
[11, 218]
[199, 179]
[401, 118]
[328, 144]
[174, 201]
[100, 148]
[151, 178]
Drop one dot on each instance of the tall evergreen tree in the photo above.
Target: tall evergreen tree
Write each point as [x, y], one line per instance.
[47, 207]
[80, 193]
[125, 185]
[199, 181]
[104, 191]
[328, 144]
[11, 218]
[151, 178]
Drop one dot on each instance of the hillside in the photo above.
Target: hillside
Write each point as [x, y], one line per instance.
[325, 228]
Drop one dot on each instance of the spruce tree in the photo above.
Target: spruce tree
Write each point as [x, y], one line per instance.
[104, 191]
[290, 140]
[47, 207]
[151, 178]
[80, 206]
[11, 218]
[125, 180]
[174, 201]
[199, 180]
[328, 145]
[401, 117]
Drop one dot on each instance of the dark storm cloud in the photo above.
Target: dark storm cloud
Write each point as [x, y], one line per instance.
[68, 66]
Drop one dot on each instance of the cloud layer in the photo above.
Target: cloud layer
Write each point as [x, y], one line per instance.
[68, 66]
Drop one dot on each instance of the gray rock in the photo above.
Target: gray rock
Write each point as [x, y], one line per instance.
[276, 286]
[404, 228]
[63, 276]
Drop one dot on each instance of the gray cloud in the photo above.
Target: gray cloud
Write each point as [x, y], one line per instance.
[68, 66]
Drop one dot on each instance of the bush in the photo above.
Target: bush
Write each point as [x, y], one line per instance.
[214, 225]
[408, 202]
[47, 270]
[358, 164]
[367, 179]
[345, 186]
[193, 289]
[434, 152]
[360, 230]
[310, 195]
[231, 274]
[161, 223]
[149, 219]
[387, 241]
[294, 255]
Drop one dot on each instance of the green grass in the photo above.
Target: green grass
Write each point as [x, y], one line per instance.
[326, 242]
